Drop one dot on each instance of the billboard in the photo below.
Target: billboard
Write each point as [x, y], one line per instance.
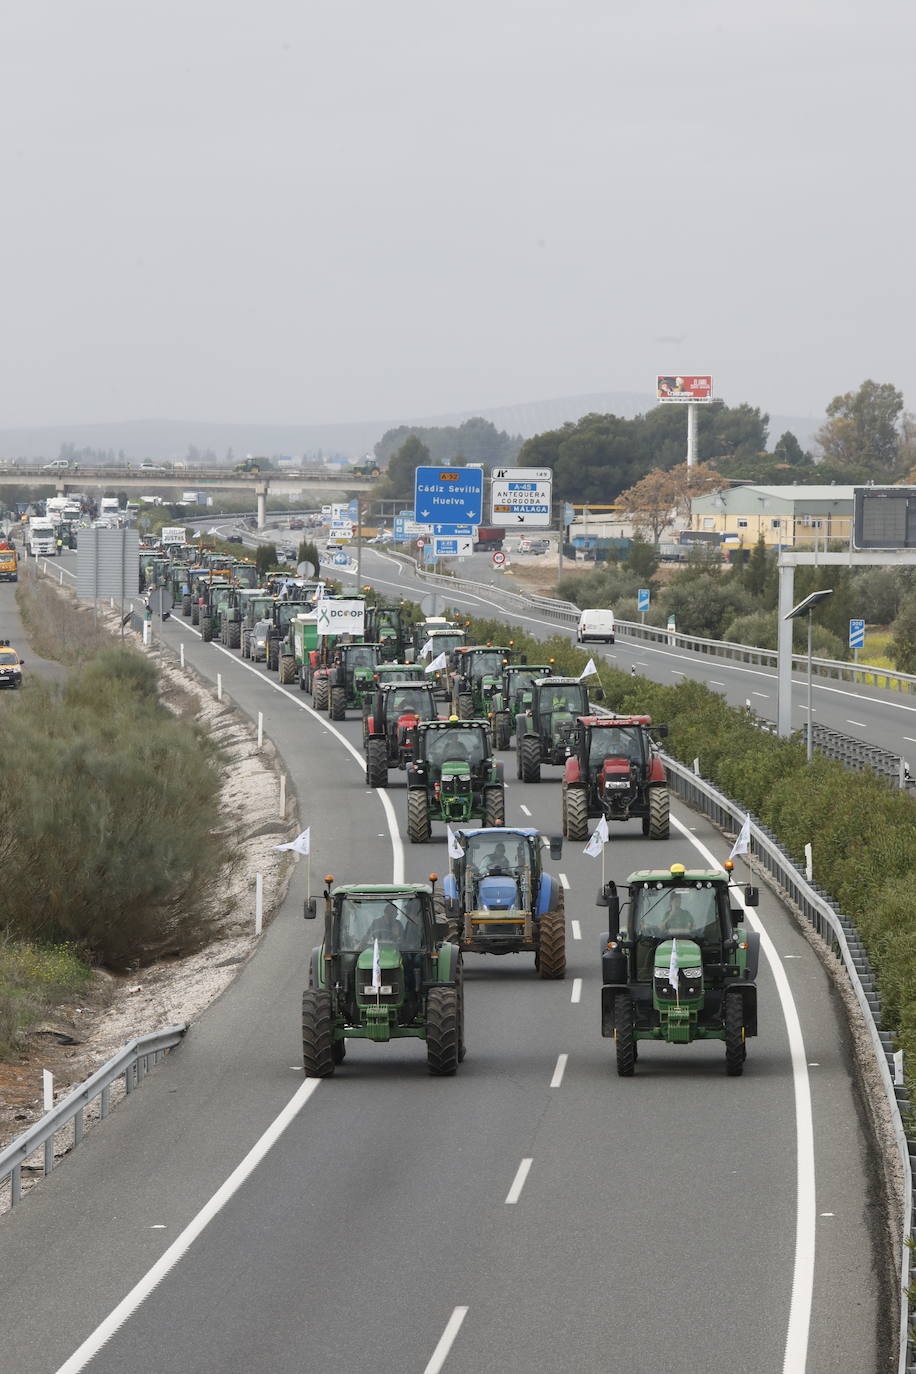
[884, 518]
[683, 389]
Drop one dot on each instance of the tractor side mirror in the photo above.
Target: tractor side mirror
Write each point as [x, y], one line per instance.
[751, 895]
[661, 731]
[597, 694]
[736, 914]
[310, 908]
[556, 846]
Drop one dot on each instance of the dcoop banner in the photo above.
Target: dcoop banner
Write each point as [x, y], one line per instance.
[691, 389]
[340, 617]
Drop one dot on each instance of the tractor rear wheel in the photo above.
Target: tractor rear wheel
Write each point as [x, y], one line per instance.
[576, 825]
[735, 1045]
[287, 669]
[624, 1034]
[337, 703]
[317, 1035]
[206, 629]
[465, 706]
[320, 690]
[195, 612]
[494, 806]
[443, 1031]
[376, 763]
[418, 829]
[551, 962]
[234, 635]
[658, 813]
[529, 759]
[502, 730]
[272, 655]
[186, 604]
[246, 644]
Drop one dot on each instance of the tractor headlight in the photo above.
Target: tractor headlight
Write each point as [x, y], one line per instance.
[611, 783]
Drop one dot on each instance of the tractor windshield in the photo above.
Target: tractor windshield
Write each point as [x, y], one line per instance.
[688, 911]
[419, 700]
[246, 574]
[380, 916]
[520, 682]
[489, 664]
[494, 855]
[361, 656]
[569, 700]
[445, 644]
[456, 746]
[615, 742]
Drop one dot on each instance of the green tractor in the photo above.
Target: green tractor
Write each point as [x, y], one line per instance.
[387, 625]
[214, 601]
[440, 646]
[382, 973]
[350, 678]
[390, 719]
[453, 778]
[679, 963]
[477, 676]
[499, 900]
[547, 729]
[253, 606]
[513, 698]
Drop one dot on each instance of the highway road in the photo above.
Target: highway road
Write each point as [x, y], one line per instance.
[390, 1222]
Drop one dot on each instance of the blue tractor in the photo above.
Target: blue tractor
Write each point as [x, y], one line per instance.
[499, 900]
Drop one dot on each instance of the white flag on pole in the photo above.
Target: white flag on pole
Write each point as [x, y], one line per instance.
[674, 966]
[454, 848]
[376, 969]
[437, 665]
[427, 649]
[301, 844]
[743, 842]
[588, 669]
[599, 839]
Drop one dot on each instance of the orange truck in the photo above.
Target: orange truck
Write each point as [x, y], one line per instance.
[9, 569]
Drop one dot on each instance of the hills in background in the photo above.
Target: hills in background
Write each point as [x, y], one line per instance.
[164, 439]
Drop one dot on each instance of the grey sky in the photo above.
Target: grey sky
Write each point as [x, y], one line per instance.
[322, 210]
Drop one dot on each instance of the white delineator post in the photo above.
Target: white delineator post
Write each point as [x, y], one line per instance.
[181, 653]
[691, 435]
[260, 728]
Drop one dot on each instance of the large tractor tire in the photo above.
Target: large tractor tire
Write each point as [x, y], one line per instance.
[735, 1044]
[273, 655]
[195, 612]
[234, 635]
[494, 806]
[658, 813]
[529, 759]
[320, 691]
[418, 827]
[624, 1034]
[245, 643]
[206, 629]
[502, 730]
[459, 988]
[337, 703]
[317, 1034]
[186, 604]
[443, 1031]
[287, 669]
[376, 763]
[551, 960]
[465, 706]
[575, 823]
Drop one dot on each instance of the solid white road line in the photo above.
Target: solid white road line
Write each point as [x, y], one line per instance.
[796, 1349]
[576, 990]
[179, 1247]
[518, 1182]
[446, 1341]
[563, 881]
[576, 930]
[562, 1060]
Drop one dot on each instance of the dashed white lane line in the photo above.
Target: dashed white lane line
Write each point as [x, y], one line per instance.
[564, 881]
[576, 990]
[676, 672]
[861, 723]
[518, 1182]
[714, 683]
[446, 1341]
[562, 1060]
[765, 695]
[576, 930]
[524, 808]
[909, 739]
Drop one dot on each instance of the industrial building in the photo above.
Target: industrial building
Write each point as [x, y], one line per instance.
[785, 516]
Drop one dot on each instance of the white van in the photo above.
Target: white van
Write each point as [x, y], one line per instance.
[596, 624]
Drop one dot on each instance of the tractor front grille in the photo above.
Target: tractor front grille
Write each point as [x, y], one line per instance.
[392, 982]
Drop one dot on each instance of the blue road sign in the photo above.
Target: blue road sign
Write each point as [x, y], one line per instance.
[642, 599]
[452, 530]
[569, 513]
[856, 634]
[353, 509]
[449, 496]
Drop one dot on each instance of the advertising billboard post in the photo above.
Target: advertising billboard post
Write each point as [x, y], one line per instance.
[683, 390]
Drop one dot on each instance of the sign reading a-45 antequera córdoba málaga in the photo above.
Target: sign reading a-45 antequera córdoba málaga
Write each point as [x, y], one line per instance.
[449, 496]
[521, 497]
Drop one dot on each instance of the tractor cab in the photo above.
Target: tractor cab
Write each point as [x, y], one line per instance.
[400, 672]
[518, 680]
[477, 678]
[390, 720]
[499, 871]
[450, 752]
[245, 574]
[557, 703]
[453, 778]
[386, 624]
[355, 666]
[615, 755]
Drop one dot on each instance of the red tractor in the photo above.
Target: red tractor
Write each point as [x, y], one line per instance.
[390, 720]
[615, 771]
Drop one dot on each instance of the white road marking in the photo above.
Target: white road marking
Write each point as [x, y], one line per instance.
[814, 1064]
[791, 956]
[576, 930]
[446, 1341]
[180, 1247]
[518, 1182]
[796, 1347]
[676, 672]
[828, 1214]
[765, 695]
[576, 990]
[909, 739]
[714, 683]
[861, 723]
[562, 1060]
[525, 809]
[563, 881]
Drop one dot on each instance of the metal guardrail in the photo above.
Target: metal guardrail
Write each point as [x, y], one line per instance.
[133, 1062]
[838, 931]
[861, 756]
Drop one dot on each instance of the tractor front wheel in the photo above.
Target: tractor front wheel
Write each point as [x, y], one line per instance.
[624, 1034]
[529, 759]
[502, 729]
[287, 669]
[658, 813]
[195, 612]
[186, 604]
[206, 629]
[320, 691]
[317, 1034]
[735, 1044]
[376, 763]
[576, 821]
[418, 829]
[337, 703]
[551, 962]
[245, 644]
[465, 706]
[443, 1031]
[494, 806]
[234, 635]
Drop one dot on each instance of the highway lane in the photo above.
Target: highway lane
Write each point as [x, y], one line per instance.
[283, 1272]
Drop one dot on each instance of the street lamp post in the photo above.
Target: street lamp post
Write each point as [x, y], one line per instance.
[806, 607]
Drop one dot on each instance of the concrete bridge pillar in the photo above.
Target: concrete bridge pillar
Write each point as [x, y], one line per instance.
[261, 492]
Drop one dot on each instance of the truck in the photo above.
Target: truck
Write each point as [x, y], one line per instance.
[488, 539]
[9, 568]
[42, 536]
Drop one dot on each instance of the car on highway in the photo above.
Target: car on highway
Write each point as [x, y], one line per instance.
[11, 666]
[234, 539]
[55, 465]
[149, 466]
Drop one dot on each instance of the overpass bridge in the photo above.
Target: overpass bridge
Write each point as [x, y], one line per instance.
[76, 477]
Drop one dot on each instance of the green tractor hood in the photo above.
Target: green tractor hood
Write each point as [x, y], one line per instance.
[456, 791]
[677, 988]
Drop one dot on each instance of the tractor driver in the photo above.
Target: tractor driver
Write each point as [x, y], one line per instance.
[498, 862]
[388, 926]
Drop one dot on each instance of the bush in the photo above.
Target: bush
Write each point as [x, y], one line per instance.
[31, 980]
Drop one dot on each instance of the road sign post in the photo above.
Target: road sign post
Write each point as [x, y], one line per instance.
[856, 637]
[499, 559]
[642, 602]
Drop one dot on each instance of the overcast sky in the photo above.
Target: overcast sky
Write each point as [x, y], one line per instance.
[323, 210]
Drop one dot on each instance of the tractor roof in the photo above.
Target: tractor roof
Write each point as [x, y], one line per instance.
[484, 649]
[530, 668]
[454, 724]
[501, 831]
[599, 721]
[384, 889]
[665, 877]
[417, 686]
[559, 682]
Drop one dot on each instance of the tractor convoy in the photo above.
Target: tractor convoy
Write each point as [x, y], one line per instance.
[678, 959]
